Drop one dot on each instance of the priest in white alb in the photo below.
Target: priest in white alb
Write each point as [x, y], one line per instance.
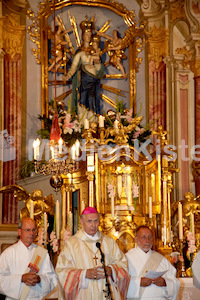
[162, 282]
[26, 271]
[91, 266]
[196, 270]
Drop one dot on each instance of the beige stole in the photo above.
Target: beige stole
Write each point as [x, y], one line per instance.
[34, 266]
[152, 264]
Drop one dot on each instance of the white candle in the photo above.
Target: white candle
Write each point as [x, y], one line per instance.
[192, 224]
[70, 220]
[82, 206]
[52, 152]
[180, 219]
[57, 219]
[86, 124]
[90, 162]
[45, 228]
[35, 150]
[32, 210]
[60, 142]
[150, 207]
[116, 124]
[101, 121]
[128, 189]
[77, 145]
[73, 152]
[112, 207]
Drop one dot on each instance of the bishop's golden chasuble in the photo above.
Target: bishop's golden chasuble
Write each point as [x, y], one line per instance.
[79, 254]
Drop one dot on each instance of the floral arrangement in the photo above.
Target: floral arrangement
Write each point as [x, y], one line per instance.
[191, 243]
[53, 241]
[191, 247]
[126, 116]
[71, 125]
[41, 237]
[67, 233]
[176, 258]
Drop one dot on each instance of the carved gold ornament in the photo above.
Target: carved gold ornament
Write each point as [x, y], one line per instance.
[158, 44]
[177, 11]
[188, 61]
[13, 36]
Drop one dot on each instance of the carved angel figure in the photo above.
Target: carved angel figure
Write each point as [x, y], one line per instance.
[113, 46]
[121, 133]
[59, 46]
[41, 203]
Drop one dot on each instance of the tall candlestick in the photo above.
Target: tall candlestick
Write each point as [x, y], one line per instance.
[52, 152]
[192, 223]
[77, 145]
[60, 142]
[70, 220]
[180, 219]
[37, 142]
[45, 228]
[31, 209]
[90, 162]
[128, 189]
[35, 150]
[64, 210]
[86, 124]
[73, 152]
[101, 121]
[150, 207]
[82, 206]
[112, 207]
[57, 219]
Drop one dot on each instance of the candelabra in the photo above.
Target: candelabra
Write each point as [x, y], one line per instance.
[59, 164]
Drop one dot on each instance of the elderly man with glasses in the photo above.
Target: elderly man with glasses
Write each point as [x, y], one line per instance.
[162, 284]
[26, 271]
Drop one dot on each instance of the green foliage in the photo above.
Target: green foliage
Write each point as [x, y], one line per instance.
[26, 168]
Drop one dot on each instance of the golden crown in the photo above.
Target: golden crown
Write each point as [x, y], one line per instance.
[87, 25]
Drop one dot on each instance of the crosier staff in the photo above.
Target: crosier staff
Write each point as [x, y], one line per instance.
[108, 292]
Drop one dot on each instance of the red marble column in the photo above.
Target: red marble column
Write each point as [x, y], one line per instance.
[12, 136]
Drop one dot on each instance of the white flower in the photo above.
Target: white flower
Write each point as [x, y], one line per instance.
[67, 233]
[67, 130]
[41, 239]
[53, 241]
[135, 189]
[111, 190]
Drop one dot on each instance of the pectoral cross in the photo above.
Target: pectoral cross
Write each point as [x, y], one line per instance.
[96, 258]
